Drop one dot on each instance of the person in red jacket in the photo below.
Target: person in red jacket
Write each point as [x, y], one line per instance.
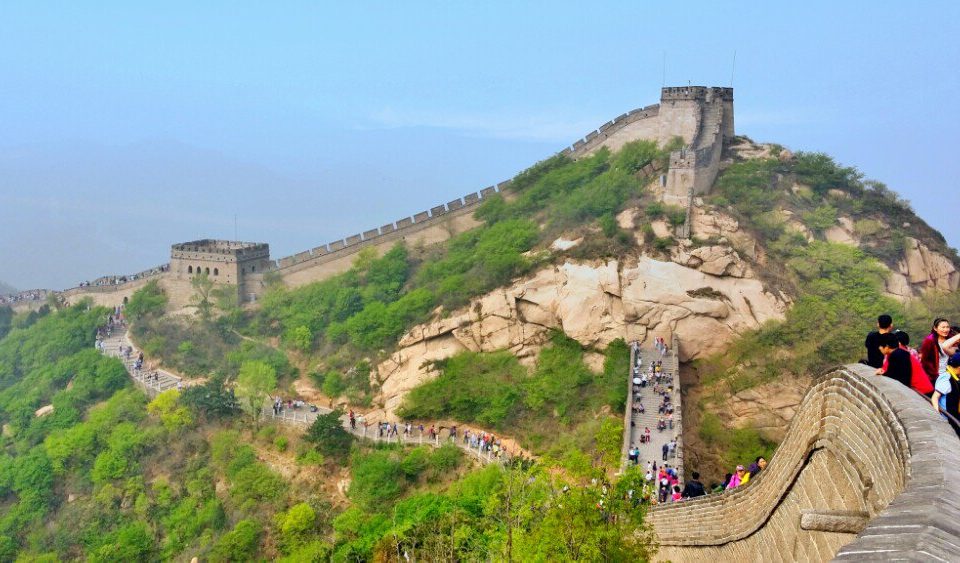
[939, 345]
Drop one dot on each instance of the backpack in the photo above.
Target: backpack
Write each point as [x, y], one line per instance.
[919, 379]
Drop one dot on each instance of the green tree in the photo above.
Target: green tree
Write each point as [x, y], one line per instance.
[302, 338]
[212, 400]
[328, 435]
[297, 525]
[166, 406]
[131, 542]
[203, 294]
[148, 301]
[239, 544]
[256, 381]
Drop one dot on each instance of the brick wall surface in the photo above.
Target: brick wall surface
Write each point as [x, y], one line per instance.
[858, 443]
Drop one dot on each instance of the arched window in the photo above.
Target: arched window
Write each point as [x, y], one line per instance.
[253, 268]
[206, 271]
[189, 269]
[216, 271]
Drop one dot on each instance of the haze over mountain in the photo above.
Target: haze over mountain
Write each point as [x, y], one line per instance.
[312, 125]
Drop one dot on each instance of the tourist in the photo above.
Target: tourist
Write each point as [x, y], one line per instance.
[939, 345]
[757, 466]
[677, 496]
[694, 488]
[918, 377]
[946, 393]
[736, 479]
[897, 359]
[666, 450]
[872, 343]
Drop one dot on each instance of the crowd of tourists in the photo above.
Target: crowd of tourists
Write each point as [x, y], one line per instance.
[24, 296]
[117, 280]
[932, 371]
[280, 405]
[651, 382]
[480, 441]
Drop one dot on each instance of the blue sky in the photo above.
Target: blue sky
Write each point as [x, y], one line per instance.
[126, 127]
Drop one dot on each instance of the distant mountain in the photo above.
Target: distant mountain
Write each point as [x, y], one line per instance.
[6, 288]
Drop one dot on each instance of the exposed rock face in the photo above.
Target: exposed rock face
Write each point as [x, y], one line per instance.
[769, 407]
[714, 260]
[712, 223]
[842, 233]
[927, 269]
[593, 303]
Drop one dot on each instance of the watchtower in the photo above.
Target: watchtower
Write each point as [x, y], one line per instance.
[224, 261]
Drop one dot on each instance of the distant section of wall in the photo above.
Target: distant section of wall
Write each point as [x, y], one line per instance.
[702, 117]
[867, 470]
[428, 227]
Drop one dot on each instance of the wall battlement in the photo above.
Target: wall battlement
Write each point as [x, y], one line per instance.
[696, 93]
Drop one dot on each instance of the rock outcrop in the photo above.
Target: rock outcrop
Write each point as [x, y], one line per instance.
[593, 303]
[926, 269]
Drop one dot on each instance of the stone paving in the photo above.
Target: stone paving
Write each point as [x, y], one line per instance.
[653, 451]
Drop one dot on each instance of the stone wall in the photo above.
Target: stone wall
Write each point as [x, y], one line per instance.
[867, 470]
[428, 227]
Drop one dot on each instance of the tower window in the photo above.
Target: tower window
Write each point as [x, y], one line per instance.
[206, 271]
[189, 269]
[216, 271]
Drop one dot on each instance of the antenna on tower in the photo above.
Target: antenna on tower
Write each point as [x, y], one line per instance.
[733, 67]
[663, 79]
[236, 235]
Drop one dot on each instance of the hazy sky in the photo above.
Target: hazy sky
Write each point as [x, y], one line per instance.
[125, 128]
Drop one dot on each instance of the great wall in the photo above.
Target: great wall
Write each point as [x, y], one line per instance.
[702, 117]
[867, 471]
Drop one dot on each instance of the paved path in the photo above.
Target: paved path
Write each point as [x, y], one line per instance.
[153, 381]
[156, 381]
[636, 423]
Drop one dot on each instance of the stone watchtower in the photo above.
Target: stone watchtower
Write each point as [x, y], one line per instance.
[225, 262]
[703, 117]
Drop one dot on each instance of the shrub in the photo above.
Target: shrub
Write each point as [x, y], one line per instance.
[239, 544]
[148, 301]
[328, 435]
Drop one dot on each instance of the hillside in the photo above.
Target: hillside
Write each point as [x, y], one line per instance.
[518, 327]
[585, 250]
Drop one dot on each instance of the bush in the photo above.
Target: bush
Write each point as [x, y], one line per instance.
[239, 544]
[296, 526]
[378, 479]
[148, 301]
[328, 435]
[454, 393]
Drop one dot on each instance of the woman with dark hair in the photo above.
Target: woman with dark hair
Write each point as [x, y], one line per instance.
[939, 345]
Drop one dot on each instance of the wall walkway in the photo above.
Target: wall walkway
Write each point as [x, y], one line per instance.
[155, 381]
[867, 471]
[636, 423]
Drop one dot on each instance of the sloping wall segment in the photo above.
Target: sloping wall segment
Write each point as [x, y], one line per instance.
[859, 445]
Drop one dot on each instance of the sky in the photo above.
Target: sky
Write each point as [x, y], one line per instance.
[126, 127]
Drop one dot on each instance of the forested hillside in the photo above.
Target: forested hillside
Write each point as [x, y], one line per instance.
[93, 469]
